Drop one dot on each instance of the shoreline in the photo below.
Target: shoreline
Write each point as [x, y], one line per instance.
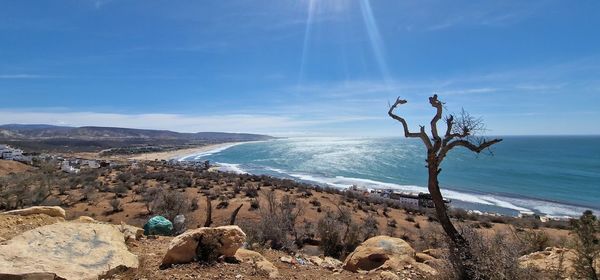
[486, 203]
[182, 153]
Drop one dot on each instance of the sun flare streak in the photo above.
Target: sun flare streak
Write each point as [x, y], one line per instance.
[307, 31]
[375, 38]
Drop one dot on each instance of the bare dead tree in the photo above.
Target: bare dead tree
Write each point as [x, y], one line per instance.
[234, 214]
[461, 131]
[208, 221]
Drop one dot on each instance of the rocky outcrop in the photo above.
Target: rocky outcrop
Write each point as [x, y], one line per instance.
[13, 225]
[384, 253]
[129, 232]
[552, 260]
[68, 250]
[52, 211]
[422, 257]
[222, 241]
[331, 263]
[261, 263]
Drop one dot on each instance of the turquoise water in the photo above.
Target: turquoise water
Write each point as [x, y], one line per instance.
[551, 175]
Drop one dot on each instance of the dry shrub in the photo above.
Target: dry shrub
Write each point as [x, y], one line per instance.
[495, 257]
[339, 234]
[276, 227]
[169, 204]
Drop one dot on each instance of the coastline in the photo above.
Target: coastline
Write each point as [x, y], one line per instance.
[181, 153]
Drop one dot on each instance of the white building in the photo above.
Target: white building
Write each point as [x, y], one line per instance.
[9, 153]
[90, 163]
[66, 167]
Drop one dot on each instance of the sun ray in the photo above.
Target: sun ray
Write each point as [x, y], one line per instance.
[375, 39]
[307, 33]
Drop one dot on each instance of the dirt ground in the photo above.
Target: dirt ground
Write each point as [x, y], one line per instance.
[10, 166]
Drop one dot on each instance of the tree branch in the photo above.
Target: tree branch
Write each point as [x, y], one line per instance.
[449, 124]
[438, 115]
[464, 143]
[421, 134]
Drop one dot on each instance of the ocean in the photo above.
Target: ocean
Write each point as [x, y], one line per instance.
[548, 175]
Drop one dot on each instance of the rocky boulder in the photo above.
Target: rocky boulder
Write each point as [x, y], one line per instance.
[553, 259]
[384, 253]
[52, 211]
[260, 262]
[189, 246]
[66, 250]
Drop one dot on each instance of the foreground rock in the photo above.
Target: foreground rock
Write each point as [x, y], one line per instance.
[52, 211]
[260, 262]
[552, 260]
[67, 250]
[13, 225]
[129, 232]
[385, 253]
[219, 241]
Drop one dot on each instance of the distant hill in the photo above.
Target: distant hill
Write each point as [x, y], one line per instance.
[43, 131]
[43, 137]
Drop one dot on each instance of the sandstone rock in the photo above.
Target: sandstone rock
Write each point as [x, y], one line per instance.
[422, 258]
[13, 225]
[267, 268]
[183, 248]
[315, 260]
[287, 259]
[69, 250]
[245, 255]
[130, 232]
[384, 253]
[85, 219]
[52, 211]
[331, 263]
[549, 260]
[386, 275]
[436, 253]
[260, 262]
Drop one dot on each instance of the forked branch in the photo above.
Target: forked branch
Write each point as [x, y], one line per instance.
[438, 115]
[421, 134]
[464, 143]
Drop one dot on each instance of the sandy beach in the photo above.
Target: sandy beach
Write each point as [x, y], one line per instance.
[175, 154]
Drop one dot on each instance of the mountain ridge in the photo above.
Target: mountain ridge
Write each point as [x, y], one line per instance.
[45, 131]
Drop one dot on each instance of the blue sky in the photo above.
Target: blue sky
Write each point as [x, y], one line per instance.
[320, 67]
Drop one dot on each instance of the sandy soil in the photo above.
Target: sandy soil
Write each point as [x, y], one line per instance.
[9, 166]
[181, 152]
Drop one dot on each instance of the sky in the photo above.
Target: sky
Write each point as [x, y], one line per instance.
[300, 68]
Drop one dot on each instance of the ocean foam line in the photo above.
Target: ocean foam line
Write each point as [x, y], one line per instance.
[197, 156]
[345, 182]
[525, 206]
[230, 167]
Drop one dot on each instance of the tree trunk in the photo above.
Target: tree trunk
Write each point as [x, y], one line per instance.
[459, 243]
[208, 220]
[234, 214]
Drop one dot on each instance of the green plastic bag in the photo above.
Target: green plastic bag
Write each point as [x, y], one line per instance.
[158, 225]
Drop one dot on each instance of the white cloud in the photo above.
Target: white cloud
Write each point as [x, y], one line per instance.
[177, 122]
[20, 76]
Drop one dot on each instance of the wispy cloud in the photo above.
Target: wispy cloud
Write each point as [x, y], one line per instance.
[22, 76]
[272, 124]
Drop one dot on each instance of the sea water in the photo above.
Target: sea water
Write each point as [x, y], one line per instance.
[548, 175]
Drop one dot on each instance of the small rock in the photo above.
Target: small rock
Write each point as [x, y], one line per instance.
[52, 211]
[287, 259]
[422, 258]
[386, 275]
